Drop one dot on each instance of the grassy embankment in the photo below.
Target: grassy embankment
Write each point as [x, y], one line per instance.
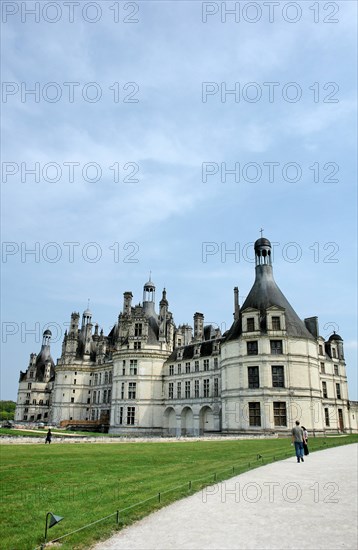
[87, 482]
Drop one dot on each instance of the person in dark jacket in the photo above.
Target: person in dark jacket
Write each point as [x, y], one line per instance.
[305, 441]
[48, 437]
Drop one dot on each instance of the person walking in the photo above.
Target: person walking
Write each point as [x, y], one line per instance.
[48, 437]
[305, 441]
[297, 439]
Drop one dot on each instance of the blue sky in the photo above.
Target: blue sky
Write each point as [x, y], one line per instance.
[173, 221]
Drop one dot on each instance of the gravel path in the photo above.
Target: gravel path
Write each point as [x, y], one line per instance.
[284, 505]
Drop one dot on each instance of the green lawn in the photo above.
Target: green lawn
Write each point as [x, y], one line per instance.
[85, 482]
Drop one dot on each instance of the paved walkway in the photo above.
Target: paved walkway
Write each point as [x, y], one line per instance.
[285, 505]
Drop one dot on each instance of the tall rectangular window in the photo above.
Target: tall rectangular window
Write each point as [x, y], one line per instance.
[187, 389]
[124, 367]
[253, 376]
[276, 347]
[179, 390]
[276, 323]
[138, 329]
[196, 388]
[171, 390]
[324, 389]
[216, 387]
[338, 391]
[206, 364]
[254, 414]
[278, 379]
[105, 396]
[334, 353]
[130, 416]
[323, 369]
[137, 345]
[187, 368]
[196, 366]
[120, 415]
[171, 370]
[133, 367]
[216, 363]
[252, 348]
[206, 385]
[326, 416]
[336, 370]
[122, 390]
[179, 368]
[132, 390]
[320, 349]
[250, 324]
[279, 414]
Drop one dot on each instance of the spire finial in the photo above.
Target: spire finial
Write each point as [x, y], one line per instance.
[88, 302]
[261, 231]
[150, 276]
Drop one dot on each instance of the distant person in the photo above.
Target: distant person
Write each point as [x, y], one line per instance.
[48, 437]
[305, 441]
[297, 439]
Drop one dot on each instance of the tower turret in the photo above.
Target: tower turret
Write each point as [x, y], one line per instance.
[86, 317]
[149, 298]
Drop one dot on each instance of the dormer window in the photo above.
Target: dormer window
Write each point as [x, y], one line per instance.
[276, 323]
[250, 324]
[138, 327]
[334, 353]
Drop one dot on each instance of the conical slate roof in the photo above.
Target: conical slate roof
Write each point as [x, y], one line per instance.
[265, 294]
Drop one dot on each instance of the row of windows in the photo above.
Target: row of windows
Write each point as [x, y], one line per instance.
[107, 378]
[130, 416]
[40, 403]
[322, 352]
[275, 347]
[99, 414]
[279, 414]
[325, 392]
[277, 373]
[216, 348]
[132, 390]
[32, 417]
[328, 414]
[335, 367]
[187, 368]
[252, 325]
[131, 369]
[187, 389]
[106, 396]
